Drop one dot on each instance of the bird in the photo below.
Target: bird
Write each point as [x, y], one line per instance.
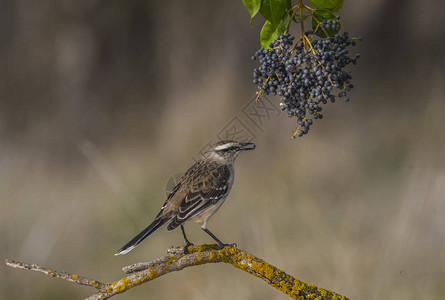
[200, 192]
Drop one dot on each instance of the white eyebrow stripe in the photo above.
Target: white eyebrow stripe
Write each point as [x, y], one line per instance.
[223, 146]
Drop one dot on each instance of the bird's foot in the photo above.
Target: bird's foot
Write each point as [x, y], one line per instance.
[220, 246]
[186, 247]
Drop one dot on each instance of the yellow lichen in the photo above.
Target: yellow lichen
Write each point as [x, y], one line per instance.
[322, 292]
[109, 289]
[298, 286]
[198, 260]
[223, 255]
[152, 274]
[75, 276]
[284, 284]
[137, 282]
[268, 271]
[124, 282]
[258, 267]
[286, 288]
[233, 250]
[165, 268]
[201, 248]
[171, 259]
[254, 266]
[212, 255]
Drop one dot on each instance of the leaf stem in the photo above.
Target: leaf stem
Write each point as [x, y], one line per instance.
[294, 11]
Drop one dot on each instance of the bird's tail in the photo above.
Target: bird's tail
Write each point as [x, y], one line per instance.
[141, 236]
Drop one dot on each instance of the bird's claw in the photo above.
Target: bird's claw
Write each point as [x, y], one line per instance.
[186, 247]
[220, 246]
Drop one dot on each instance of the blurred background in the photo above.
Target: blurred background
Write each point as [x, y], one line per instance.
[101, 102]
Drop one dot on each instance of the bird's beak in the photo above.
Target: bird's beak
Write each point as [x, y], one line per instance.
[247, 146]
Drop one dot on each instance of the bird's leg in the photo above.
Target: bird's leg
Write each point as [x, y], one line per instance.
[220, 244]
[187, 242]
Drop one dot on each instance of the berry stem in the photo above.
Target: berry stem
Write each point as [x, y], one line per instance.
[318, 24]
[300, 6]
[296, 44]
[310, 45]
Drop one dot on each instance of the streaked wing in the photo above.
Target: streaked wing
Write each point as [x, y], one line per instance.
[172, 193]
[206, 190]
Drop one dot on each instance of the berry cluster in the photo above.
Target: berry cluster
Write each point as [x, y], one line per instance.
[305, 74]
[330, 24]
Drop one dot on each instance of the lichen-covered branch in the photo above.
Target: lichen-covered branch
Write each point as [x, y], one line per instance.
[177, 260]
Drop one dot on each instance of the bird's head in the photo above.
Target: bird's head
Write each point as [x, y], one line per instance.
[227, 151]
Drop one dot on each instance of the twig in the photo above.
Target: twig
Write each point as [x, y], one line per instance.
[57, 274]
[177, 260]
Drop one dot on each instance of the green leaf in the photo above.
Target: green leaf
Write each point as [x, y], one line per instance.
[317, 17]
[253, 7]
[273, 10]
[331, 5]
[269, 32]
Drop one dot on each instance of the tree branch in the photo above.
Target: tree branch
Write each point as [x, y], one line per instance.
[177, 260]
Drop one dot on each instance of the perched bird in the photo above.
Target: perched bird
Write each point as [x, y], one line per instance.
[198, 194]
